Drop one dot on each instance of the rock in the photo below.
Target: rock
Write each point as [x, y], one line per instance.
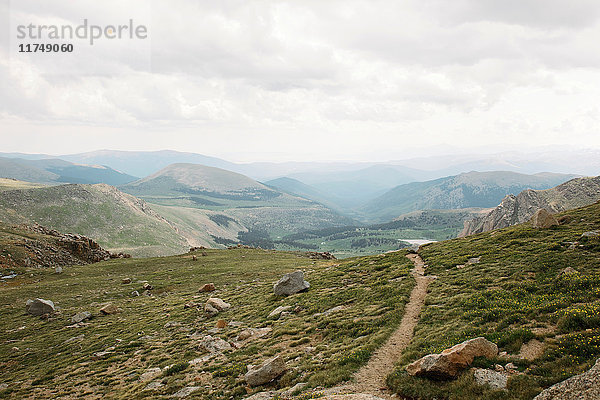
[110, 308]
[251, 334]
[542, 219]
[58, 270]
[591, 234]
[498, 368]
[568, 271]
[261, 396]
[186, 391]
[154, 385]
[3, 386]
[150, 374]
[267, 372]
[39, 307]
[135, 293]
[208, 287]
[510, 367]
[494, 379]
[450, 362]
[357, 396]
[584, 386]
[147, 286]
[321, 256]
[474, 260]
[291, 283]
[276, 313]
[294, 390]
[245, 334]
[80, 317]
[221, 324]
[213, 344]
[194, 258]
[126, 281]
[215, 305]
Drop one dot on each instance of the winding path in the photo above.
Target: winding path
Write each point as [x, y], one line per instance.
[370, 379]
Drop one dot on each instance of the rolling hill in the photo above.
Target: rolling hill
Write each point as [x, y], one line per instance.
[472, 189]
[118, 221]
[55, 171]
[518, 209]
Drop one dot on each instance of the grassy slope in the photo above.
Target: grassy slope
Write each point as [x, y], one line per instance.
[13, 184]
[515, 294]
[46, 365]
[117, 221]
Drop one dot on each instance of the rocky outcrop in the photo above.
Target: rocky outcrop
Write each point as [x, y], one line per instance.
[585, 386]
[39, 307]
[521, 208]
[268, 371]
[450, 362]
[291, 283]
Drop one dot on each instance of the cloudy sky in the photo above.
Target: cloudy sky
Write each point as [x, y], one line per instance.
[307, 80]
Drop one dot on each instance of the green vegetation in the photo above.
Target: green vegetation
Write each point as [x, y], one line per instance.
[519, 291]
[14, 184]
[106, 356]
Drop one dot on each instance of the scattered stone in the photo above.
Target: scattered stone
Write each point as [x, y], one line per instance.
[100, 355]
[542, 219]
[591, 234]
[58, 270]
[135, 293]
[215, 305]
[309, 349]
[357, 396]
[172, 324]
[3, 386]
[221, 324]
[510, 366]
[569, 271]
[80, 317]
[213, 344]
[186, 391]
[474, 260]
[494, 379]
[498, 368]
[291, 283]
[267, 372]
[194, 258]
[276, 313]
[450, 362]
[39, 307]
[261, 396]
[147, 286]
[294, 390]
[126, 281]
[110, 308]
[150, 374]
[208, 287]
[584, 386]
[154, 385]
[321, 255]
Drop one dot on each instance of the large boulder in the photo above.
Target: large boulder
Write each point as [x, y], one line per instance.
[291, 283]
[584, 386]
[542, 219]
[268, 371]
[39, 307]
[450, 362]
[215, 305]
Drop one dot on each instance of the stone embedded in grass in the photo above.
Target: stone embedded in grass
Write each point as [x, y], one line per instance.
[147, 286]
[110, 308]
[80, 317]
[186, 391]
[268, 371]
[39, 307]
[58, 270]
[221, 324]
[207, 287]
[215, 305]
[150, 374]
[290, 284]
[276, 313]
[494, 379]
[213, 344]
[450, 362]
[126, 281]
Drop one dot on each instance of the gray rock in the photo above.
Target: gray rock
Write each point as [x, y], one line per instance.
[294, 390]
[591, 234]
[584, 386]
[154, 385]
[39, 307]
[215, 305]
[291, 283]
[261, 396]
[58, 270]
[186, 391]
[150, 374]
[213, 344]
[268, 371]
[276, 313]
[80, 317]
[493, 379]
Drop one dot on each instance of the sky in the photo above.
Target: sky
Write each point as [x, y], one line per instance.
[305, 80]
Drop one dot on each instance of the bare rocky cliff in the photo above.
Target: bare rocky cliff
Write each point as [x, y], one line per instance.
[514, 210]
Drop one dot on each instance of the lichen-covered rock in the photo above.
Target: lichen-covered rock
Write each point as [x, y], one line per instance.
[291, 283]
[450, 362]
[39, 307]
[584, 386]
[494, 379]
[269, 370]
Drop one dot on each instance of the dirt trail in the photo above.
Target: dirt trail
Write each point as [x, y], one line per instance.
[370, 379]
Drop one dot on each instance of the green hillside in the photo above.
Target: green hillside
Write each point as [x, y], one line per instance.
[349, 310]
[15, 184]
[532, 289]
[118, 221]
[472, 189]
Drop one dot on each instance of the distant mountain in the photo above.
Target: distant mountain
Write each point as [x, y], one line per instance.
[54, 170]
[518, 209]
[118, 221]
[144, 163]
[297, 188]
[472, 189]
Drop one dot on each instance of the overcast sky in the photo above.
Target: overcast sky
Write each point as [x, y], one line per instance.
[307, 80]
